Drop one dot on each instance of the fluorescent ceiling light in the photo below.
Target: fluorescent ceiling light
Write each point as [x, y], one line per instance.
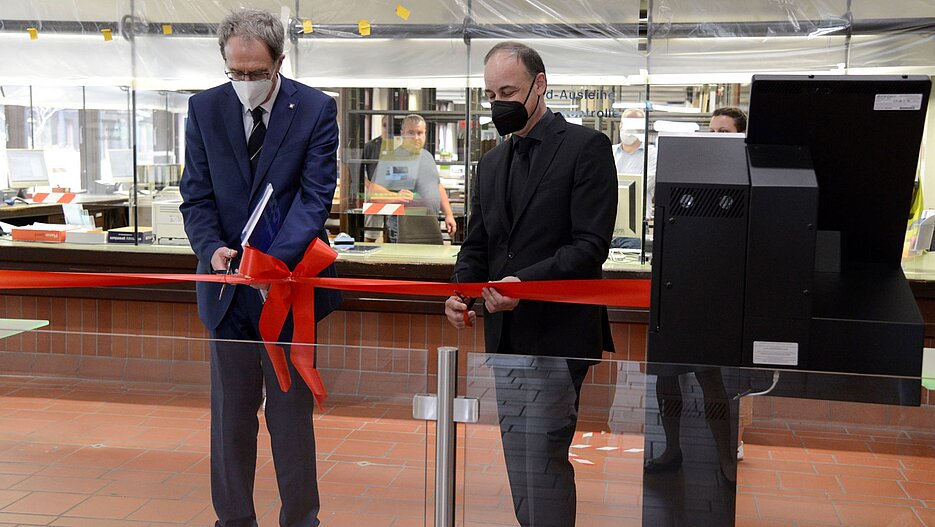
[674, 126]
[622, 104]
[677, 108]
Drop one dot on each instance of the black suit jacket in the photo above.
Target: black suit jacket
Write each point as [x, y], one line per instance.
[562, 231]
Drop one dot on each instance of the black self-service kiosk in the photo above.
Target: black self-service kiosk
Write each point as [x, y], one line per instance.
[780, 250]
[783, 249]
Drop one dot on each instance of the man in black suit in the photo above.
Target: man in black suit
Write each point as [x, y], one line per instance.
[543, 208]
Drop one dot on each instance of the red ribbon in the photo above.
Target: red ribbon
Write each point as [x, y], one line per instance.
[289, 292]
[295, 291]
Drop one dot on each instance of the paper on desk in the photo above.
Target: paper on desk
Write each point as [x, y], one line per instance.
[76, 215]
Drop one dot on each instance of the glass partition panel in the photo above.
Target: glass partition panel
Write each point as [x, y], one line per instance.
[117, 424]
[58, 138]
[657, 444]
[56, 131]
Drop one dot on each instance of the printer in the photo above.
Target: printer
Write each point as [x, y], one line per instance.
[168, 227]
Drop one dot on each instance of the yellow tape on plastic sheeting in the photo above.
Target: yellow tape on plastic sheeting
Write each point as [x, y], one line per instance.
[402, 12]
[363, 27]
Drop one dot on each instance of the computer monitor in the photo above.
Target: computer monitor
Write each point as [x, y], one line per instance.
[27, 168]
[863, 134]
[629, 222]
[121, 165]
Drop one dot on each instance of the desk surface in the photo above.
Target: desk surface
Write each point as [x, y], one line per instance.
[920, 267]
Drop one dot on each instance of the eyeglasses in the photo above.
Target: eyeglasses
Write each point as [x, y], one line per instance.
[235, 75]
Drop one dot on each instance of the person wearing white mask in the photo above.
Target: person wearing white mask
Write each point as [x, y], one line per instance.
[632, 153]
[260, 129]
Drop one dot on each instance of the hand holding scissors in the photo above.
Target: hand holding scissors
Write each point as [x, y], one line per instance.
[221, 263]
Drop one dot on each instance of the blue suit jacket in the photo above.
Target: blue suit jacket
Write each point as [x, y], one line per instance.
[298, 158]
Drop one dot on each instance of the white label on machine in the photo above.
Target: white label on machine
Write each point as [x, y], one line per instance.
[897, 101]
[781, 353]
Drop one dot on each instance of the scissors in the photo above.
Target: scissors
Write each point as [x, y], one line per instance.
[467, 312]
[226, 272]
[469, 301]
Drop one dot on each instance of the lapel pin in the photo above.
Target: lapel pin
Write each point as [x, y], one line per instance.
[291, 105]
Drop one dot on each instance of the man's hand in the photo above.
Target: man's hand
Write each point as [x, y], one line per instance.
[455, 308]
[405, 195]
[451, 224]
[221, 259]
[494, 301]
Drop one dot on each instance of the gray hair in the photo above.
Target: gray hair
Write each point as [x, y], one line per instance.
[253, 24]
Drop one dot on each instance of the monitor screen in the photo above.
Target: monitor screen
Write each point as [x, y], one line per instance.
[27, 168]
[121, 165]
[864, 134]
[629, 220]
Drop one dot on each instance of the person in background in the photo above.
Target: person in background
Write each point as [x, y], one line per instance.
[632, 154]
[259, 129]
[543, 208]
[423, 188]
[728, 120]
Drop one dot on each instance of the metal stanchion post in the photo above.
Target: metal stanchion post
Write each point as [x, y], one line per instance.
[445, 438]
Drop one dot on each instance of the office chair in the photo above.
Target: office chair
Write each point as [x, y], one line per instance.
[419, 229]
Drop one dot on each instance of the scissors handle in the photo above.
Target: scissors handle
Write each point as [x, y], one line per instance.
[469, 301]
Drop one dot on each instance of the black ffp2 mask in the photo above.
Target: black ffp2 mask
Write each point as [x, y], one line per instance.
[510, 116]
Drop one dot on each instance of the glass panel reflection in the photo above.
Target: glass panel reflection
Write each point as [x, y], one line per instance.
[658, 445]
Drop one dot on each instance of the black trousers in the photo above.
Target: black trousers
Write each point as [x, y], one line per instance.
[238, 373]
[537, 401]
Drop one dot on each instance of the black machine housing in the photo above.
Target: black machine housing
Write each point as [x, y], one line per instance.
[783, 249]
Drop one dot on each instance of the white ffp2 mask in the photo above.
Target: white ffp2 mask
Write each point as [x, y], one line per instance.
[252, 93]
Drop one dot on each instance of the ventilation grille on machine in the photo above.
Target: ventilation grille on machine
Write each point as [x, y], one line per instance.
[707, 202]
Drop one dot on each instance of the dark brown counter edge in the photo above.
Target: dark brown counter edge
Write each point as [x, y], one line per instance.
[45, 258]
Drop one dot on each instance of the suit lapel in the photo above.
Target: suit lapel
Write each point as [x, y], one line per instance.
[554, 136]
[232, 111]
[280, 120]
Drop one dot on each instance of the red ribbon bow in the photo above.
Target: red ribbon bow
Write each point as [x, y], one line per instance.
[287, 292]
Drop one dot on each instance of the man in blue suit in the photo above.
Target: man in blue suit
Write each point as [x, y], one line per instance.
[260, 128]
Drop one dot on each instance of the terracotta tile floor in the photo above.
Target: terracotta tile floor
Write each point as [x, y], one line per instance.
[79, 453]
